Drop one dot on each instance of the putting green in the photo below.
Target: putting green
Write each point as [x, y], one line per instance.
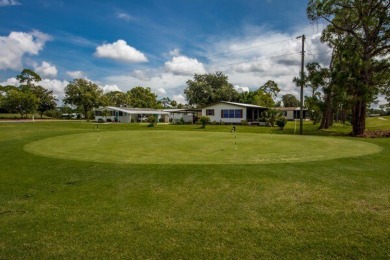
[181, 147]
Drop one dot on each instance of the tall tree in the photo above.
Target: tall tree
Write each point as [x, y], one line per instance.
[19, 101]
[83, 94]
[206, 89]
[289, 100]
[27, 78]
[116, 98]
[141, 97]
[45, 99]
[366, 25]
[270, 87]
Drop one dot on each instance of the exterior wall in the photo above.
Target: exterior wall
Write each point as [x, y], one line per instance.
[217, 113]
[176, 117]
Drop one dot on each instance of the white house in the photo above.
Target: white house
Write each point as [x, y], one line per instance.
[128, 115]
[292, 113]
[232, 112]
[183, 115]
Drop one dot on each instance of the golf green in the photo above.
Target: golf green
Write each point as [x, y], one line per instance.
[190, 147]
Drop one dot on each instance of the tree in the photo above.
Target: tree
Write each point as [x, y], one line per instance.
[207, 89]
[29, 77]
[141, 97]
[116, 98]
[262, 98]
[289, 100]
[45, 99]
[83, 94]
[314, 108]
[271, 88]
[22, 102]
[365, 25]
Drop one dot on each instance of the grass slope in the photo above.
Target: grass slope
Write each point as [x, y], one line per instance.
[72, 209]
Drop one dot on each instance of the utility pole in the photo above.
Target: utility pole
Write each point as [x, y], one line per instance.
[302, 83]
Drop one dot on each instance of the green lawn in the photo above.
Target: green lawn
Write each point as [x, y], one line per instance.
[59, 205]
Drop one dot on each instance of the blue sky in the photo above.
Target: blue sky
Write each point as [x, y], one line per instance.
[156, 44]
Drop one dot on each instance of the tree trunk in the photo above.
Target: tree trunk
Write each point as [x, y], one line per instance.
[359, 117]
[327, 112]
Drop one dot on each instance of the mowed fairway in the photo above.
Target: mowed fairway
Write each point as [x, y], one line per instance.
[181, 192]
[173, 147]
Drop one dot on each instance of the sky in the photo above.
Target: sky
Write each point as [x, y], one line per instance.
[122, 44]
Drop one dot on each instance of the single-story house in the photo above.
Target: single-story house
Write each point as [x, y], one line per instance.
[292, 113]
[128, 115]
[183, 115]
[233, 112]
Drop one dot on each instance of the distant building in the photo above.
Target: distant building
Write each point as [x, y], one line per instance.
[183, 115]
[233, 112]
[292, 113]
[128, 115]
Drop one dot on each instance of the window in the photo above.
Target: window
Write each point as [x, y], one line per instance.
[209, 112]
[120, 113]
[231, 113]
[98, 113]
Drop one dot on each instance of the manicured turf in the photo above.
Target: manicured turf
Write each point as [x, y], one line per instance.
[173, 147]
[64, 208]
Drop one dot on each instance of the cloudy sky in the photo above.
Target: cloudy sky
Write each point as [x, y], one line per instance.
[157, 44]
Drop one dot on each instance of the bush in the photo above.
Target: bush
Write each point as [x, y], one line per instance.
[244, 122]
[204, 120]
[281, 122]
[52, 113]
[152, 120]
[100, 120]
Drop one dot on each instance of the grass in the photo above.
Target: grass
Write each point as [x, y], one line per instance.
[65, 208]
[173, 147]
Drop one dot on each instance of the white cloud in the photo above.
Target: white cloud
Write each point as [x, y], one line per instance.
[141, 75]
[109, 88]
[10, 82]
[175, 52]
[46, 69]
[17, 44]
[9, 2]
[119, 50]
[57, 86]
[183, 65]
[75, 74]
[241, 89]
[161, 91]
[248, 59]
[180, 99]
[124, 16]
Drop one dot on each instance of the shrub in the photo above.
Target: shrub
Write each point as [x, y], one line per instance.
[281, 122]
[52, 113]
[244, 122]
[204, 120]
[100, 120]
[152, 120]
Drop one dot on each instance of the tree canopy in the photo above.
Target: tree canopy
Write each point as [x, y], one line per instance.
[289, 100]
[359, 29]
[83, 94]
[211, 88]
[142, 97]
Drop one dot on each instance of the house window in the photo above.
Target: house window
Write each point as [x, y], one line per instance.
[209, 112]
[120, 113]
[98, 113]
[231, 113]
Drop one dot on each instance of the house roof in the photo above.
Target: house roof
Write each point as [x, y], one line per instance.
[238, 104]
[289, 108]
[128, 110]
[183, 110]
